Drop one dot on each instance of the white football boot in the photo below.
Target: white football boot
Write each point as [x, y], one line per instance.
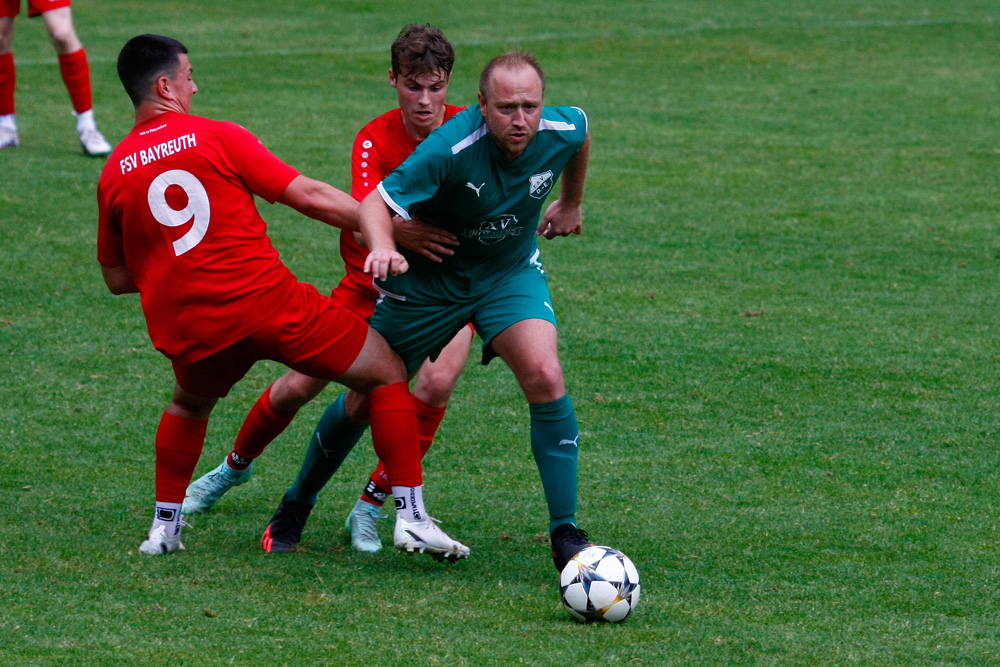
[159, 542]
[425, 537]
[8, 132]
[93, 142]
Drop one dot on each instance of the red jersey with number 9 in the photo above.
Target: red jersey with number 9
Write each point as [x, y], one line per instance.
[176, 207]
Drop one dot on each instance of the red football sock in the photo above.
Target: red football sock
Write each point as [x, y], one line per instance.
[179, 442]
[378, 487]
[428, 420]
[394, 433]
[7, 79]
[261, 427]
[76, 75]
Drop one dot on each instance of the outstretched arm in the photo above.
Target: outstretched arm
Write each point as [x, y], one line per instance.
[321, 201]
[564, 216]
[376, 226]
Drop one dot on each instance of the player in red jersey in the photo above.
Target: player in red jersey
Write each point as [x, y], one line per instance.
[422, 60]
[73, 66]
[178, 224]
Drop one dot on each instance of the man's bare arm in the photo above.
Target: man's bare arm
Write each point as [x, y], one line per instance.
[565, 215]
[119, 280]
[375, 219]
[322, 202]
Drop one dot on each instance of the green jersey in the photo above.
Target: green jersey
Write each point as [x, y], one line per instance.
[459, 180]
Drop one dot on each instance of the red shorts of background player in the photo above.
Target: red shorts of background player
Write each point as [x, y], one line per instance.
[362, 303]
[314, 334]
[11, 8]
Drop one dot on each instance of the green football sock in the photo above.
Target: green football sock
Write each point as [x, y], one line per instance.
[554, 443]
[333, 439]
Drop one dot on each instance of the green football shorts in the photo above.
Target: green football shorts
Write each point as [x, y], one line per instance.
[418, 331]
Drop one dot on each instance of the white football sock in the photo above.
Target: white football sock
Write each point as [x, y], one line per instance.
[410, 502]
[85, 120]
[169, 516]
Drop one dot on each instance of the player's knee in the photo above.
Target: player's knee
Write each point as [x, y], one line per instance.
[379, 377]
[433, 395]
[64, 39]
[435, 385]
[356, 407]
[390, 369]
[196, 410]
[370, 378]
[377, 365]
[543, 383]
[6, 37]
[293, 390]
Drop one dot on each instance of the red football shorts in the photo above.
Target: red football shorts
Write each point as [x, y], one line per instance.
[11, 8]
[314, 334]
[362, 303]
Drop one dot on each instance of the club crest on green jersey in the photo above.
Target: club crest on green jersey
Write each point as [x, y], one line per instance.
[540, 184]
[495, 230]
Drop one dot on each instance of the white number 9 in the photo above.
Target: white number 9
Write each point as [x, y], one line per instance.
[197, 207]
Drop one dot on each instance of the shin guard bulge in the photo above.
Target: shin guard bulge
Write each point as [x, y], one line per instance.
[261, 427]
[331, 442]
[394, 433]
[8, 78]
[179, 442]
[555, 446]
[75, 71]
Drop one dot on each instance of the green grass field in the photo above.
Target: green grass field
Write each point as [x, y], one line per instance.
[779, 329]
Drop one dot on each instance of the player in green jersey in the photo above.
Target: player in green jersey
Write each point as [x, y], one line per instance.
[484, 176]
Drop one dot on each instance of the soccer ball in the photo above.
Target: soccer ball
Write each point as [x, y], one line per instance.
[599, 584]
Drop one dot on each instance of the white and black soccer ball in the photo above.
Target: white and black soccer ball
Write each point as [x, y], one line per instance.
[599, 584]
